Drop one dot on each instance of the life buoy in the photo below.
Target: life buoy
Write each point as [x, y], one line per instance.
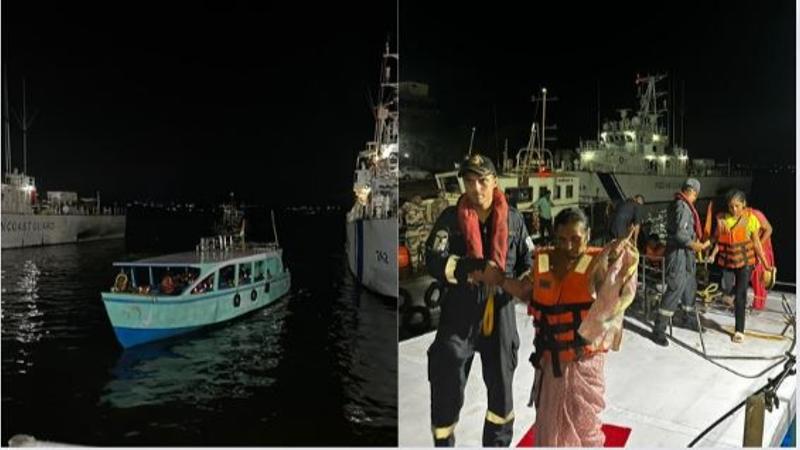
[120, 283]
[403, 257]
[253, 295]
[236, 300]
[433, 295]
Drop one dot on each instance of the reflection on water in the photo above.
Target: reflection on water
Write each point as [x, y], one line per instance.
[323, 359]
[199, 369]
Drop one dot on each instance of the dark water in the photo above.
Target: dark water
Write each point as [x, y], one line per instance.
[316, 368]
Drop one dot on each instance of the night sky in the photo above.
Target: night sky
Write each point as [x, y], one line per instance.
[736, 59]
[185, 102]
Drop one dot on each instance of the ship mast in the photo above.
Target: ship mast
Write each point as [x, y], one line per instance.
[6, 126]
[24, 123]
[386, 116]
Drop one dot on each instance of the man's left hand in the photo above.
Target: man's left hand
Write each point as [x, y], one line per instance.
[492, 274]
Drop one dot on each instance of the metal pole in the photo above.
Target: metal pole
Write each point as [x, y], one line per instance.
[7, 140]
[274, 229]
[544, 108]
[24, 132]
[754, 420]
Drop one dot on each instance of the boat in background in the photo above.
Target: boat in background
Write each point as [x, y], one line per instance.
[60, 217]
[637, 155]
[372, 221]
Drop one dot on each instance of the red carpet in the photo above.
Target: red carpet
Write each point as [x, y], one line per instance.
[615, 436]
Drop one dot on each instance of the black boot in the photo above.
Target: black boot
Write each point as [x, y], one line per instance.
[690, 321]
[660, 330]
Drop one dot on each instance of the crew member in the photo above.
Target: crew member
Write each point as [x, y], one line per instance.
[472, 245]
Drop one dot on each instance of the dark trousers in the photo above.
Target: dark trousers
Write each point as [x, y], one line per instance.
[681, 283]
[742, 280]
[546, 225]
[449, 362]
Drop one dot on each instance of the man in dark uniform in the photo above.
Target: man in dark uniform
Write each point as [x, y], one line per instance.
[471, 247]
[684, 236]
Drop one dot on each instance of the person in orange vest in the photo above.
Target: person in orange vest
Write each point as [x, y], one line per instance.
[167, 284]
[577, 296]
[654, 251]
[737, 247]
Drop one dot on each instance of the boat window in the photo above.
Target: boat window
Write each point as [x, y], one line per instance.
[207, 285]
[259, 270]
[557, 193]
[245, 273]
[141, 277]
[174, 280]
[542, 190]
[227, 277]
[516, 195]
[451, 185]
[273, 267]
[569, 191]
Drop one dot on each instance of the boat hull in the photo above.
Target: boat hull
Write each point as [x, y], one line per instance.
[372, 254]
[139, 319]
[33, 230]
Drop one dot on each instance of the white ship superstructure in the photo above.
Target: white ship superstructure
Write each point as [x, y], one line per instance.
[372, 221]
[635, 155]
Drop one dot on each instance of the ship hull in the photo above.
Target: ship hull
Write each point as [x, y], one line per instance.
[597, 186]
[32, 230]
[372, 254]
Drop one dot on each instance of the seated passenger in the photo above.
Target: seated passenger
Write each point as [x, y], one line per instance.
[167, 284]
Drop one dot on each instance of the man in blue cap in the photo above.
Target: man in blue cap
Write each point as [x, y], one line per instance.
[684, 234]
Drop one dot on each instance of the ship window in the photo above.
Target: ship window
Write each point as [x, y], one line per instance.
[207, 285]
[259, 270]
[245, 273]
[557, 193]
[227, 277]
[569, 191]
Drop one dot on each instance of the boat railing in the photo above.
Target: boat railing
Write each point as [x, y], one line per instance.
[225, 243]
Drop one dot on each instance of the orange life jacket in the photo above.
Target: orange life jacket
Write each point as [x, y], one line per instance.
[558, 307]
[735, 247]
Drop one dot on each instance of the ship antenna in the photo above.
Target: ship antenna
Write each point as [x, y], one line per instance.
[274, 229]
[471, 140]
[25, 123]
[7, 128]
